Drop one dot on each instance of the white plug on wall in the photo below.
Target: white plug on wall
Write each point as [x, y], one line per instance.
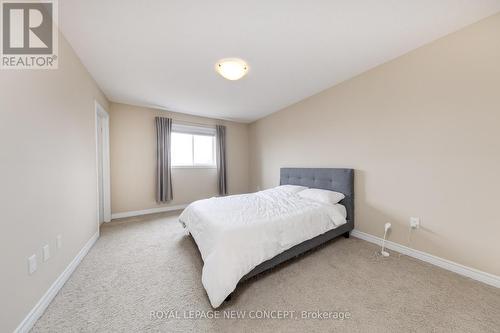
[414, 222]
[414, 225]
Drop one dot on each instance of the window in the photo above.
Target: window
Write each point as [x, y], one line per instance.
[193, 146]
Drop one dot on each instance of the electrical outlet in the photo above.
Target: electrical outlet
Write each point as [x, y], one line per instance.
[32, 264]
[414, 222]
[46, 252]
[58, 241]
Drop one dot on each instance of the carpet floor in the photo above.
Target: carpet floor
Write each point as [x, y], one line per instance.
[144, 274]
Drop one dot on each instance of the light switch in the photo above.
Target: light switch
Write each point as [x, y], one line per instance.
[32, 264]
[46, 252]
[59, 241]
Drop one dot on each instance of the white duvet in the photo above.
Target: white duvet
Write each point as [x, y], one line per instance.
[235, 234]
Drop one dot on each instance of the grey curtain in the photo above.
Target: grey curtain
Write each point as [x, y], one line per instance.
[163, 168]
[221, 158]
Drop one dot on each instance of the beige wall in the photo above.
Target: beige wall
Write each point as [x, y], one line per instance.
[48, 176]
[423, 133]
[132, 142]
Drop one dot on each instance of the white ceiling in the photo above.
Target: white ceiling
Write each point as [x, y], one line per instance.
[162, 53]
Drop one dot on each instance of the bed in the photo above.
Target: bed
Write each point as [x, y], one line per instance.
[241, 236]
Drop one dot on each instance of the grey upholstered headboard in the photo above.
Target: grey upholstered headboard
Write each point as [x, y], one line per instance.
[339, 180]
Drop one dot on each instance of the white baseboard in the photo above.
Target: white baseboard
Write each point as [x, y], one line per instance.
[44, 302]
[147, 211]
[472, 273]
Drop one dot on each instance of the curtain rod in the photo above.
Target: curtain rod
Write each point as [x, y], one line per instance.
[193, 123]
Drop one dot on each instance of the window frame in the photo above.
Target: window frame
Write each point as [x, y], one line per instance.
[196, 130]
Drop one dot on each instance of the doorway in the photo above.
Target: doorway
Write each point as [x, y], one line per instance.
[103, 171]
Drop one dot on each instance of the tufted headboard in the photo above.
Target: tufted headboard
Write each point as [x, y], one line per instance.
[339, 180]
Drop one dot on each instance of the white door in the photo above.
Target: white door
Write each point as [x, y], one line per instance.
[100, 183]
[103, 171]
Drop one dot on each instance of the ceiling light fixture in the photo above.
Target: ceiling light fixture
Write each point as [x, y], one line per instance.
[232, 68]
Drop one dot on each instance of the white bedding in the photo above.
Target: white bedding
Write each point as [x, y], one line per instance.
[235, 234]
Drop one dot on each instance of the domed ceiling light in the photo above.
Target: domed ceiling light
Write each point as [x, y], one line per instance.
[232, 68]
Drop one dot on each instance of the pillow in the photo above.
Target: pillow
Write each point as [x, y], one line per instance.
[291, 189]
[323, 196]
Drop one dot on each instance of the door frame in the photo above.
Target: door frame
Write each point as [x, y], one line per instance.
[103, 115]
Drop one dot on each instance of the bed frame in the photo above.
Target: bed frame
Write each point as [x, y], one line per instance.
[339, 180]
